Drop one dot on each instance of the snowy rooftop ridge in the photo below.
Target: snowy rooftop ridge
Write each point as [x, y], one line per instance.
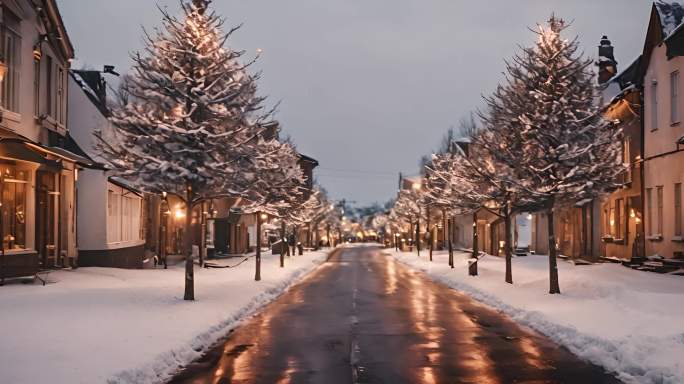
[671, 15]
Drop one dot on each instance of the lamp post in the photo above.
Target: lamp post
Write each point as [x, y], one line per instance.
[257, 275]
[164, 218]
[416, 187]
[472, 268]
[3, 67]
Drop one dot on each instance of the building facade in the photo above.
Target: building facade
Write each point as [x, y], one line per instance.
[662, 67]
[110, 227]
[38, 171]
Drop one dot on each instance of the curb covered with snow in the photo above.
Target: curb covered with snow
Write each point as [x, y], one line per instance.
[168, 363]
[130, 326]
[597, 317]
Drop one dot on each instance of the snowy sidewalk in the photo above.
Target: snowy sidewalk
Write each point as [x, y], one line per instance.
[97, 325]
[628, 321]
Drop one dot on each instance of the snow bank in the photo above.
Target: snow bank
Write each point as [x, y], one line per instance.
[96, 325]
[629, 322]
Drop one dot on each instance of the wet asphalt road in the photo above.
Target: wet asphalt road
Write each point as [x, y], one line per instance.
[365, 318]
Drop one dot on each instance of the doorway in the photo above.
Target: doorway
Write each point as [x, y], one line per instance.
[47, 216]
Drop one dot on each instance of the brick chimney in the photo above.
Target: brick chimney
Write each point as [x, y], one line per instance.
[606, 61]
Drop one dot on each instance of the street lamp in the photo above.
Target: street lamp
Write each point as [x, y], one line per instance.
[3, 69]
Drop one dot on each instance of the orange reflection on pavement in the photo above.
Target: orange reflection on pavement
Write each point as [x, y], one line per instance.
[428, 376]
[391, 269]
[287, 374]
[531, 354]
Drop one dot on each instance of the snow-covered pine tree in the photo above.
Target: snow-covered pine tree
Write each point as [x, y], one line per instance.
[569, 153]
[408, 207]
[332, 221]
[188, 123]
[278, 187]
[460, 191]
[493, 162]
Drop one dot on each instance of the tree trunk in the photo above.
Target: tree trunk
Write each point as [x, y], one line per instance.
[189, 267]
[444, 229]
[162, 246]
[472, 267]
[428, 232]
[327, 230]
[287, 243]
[283, 244]
[451, 249]
[553, 266]
[257, 274]
[418, 235]
[508, 245]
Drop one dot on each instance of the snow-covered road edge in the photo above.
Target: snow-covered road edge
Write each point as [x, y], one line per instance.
[162, 367]
[616, 357]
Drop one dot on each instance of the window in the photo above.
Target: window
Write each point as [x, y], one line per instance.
[619, 217]
[654, 105]
[123, 215]
[112, 217]
[678, 209]
[612, 221]
[674, 97]
[60, 96]
[626, 159]
[48, 85]
[649, 211]
[660, 209]
[14, 187]
[11, 53]
[36, 87]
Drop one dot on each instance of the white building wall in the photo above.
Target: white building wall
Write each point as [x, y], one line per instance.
[97, 229]
[92, 210]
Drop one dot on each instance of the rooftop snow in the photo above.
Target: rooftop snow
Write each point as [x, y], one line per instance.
[671, 15]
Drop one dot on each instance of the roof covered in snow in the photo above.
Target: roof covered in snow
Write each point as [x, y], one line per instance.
[671, 15]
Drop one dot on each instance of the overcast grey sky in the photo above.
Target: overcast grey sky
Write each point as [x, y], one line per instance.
[368, 87]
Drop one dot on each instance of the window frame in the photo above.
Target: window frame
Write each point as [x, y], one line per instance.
[649, 211]
[654, 105]
[674, 98]
[10, 87]
[659, 207]
[678, 209]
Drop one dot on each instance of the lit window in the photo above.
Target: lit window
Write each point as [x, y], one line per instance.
[14, 187]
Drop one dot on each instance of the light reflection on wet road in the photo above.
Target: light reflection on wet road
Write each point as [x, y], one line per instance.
[362, 317]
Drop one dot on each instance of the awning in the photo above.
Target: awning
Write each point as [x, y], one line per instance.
[17, 150]
[60, 153]
[119, 182]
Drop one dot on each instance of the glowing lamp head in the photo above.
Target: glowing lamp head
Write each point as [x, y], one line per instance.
[179, 213]
[3, 69]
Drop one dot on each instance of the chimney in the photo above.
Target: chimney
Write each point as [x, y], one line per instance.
[606, 61]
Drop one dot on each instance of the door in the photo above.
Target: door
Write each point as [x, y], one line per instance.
[221, 235]
[47, 201]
